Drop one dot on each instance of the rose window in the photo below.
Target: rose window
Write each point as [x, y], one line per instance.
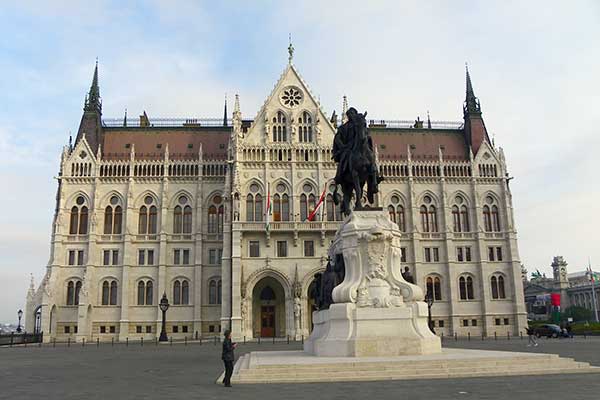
[291, 97]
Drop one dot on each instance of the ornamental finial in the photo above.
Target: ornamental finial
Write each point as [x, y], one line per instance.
[290, 50]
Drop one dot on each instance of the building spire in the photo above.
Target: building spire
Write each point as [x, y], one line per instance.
[471, 102]
[290, 50]
[344, 109]
[125, 118]
[225, 112]
[93, 101]
[428, 120]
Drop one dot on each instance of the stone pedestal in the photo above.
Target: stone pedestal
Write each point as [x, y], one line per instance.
[376, 313]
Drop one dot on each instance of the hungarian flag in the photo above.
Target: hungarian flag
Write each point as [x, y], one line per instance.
[319, 205]
[268, 209]
[593, 276]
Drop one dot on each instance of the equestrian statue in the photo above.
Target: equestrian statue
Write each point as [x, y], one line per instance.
[355, 158]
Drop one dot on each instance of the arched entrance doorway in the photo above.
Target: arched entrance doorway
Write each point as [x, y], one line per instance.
[310, 305]
[268, 308]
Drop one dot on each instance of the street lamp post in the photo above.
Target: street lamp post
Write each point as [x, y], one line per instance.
[429, 300]
[164, 306]
[20, 315]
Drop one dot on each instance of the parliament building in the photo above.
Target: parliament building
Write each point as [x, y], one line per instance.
[215, 214]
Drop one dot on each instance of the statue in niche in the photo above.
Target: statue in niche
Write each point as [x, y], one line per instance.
[355, 158]
[297, 311]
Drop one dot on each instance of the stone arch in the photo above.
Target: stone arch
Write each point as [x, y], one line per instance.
[261, 186]
[208, 200]
[435, 199]
[312, 182]
[461, 193]
[173, 201]
[491, 193]
[270, 308]
[308, 304]
[388, 198]
[105, 200]
[139, 200]
[70, 201]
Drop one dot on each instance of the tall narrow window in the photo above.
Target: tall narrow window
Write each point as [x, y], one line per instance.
[141, 293]
[464, 219]
[187, 219]
[77, 291]
[185, 292]
[462, 286]
[118, 221]
[178, 219]
[305, 132]
[437, 288]
[250, 208]
[70, 293]
[494, 284]
[285, 207]
[456, 219]
[143, 220]
[113, 293]
[254, 204]
[470, 292]
[258, 208]
[303, 207]
[433, 225]
[424, 219]
[212, 291]
[501, 291]
[149, 293]
[487, 219]
[212, 219]
[108, 220]
[79, 217]
[105, 293]
[279, 128]
[152, 220]
[495, 219]
[177, 292]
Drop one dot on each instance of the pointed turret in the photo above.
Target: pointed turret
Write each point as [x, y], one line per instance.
[91, 121]
[125, 119]
[344, 109]
[93, 101]
[475, 131]
[225, 112]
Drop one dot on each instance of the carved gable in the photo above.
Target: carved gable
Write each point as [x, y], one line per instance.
[290, 115]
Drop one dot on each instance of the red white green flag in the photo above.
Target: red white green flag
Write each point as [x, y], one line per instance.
[319, 205]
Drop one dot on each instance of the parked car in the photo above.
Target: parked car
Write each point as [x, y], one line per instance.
[548, 330]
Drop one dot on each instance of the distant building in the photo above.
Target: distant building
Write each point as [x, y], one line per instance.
[152, 206]
[575, 289]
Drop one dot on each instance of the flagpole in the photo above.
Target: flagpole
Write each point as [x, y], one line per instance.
[593, 281]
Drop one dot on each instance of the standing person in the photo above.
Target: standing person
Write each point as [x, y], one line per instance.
[228, 357]
[569, 330]
[532, 338]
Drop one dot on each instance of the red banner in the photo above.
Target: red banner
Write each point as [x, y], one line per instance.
[555, 299]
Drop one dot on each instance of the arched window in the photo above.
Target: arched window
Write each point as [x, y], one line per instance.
[495, 219]
[105, 293]
[465, 285]
[185, 292]
[491, 215]
[113, 217]
[181, 292]
[396, 213]
[254, 204]
[177, 219]
[145, 293]
[79, 217]
[214, 291]
[487, 219]
[279, 128]
[305, 129]
[433, 225]
[212, 219]
[424, 219]
[307, 202]
[109, 293]
[113, 293]
[187, 219]
[434, 287]
[464, 219]
[334, 211]
[77, 291]
[456, 219]
[498, 290]
[70, 293]
[177, 292]
[281, 203]
[147, 223]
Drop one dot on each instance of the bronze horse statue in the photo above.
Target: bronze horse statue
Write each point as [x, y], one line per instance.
[353, 151]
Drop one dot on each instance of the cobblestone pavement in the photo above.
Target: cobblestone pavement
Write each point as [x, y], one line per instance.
[189, 372]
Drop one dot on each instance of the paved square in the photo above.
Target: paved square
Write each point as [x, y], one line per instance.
[189, 372]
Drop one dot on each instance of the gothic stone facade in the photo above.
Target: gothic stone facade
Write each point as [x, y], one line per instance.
[179, 207]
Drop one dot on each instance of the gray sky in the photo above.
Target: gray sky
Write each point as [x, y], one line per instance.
[534, 67]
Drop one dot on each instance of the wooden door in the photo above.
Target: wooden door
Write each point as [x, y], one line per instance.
[267, 321]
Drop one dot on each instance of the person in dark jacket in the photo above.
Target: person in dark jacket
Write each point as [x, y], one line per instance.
[228, 357]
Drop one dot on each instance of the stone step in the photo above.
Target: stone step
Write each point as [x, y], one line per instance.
[408, 375]
[450, 368]
[411, 364]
